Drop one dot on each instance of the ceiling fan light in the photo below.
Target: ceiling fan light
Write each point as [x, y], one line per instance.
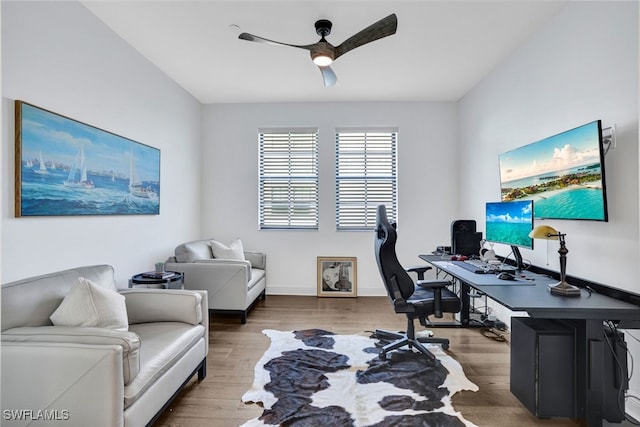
[322, 60]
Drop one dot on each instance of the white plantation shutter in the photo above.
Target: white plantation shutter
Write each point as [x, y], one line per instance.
[288, 175]
[365, 176]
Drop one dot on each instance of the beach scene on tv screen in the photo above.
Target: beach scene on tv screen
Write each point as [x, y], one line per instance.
[562, 174]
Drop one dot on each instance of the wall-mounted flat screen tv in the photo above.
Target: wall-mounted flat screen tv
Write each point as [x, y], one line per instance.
[563, 174]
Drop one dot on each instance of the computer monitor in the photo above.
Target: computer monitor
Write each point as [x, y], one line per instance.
[510, 223]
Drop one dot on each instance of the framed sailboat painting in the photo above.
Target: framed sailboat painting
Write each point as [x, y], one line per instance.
[66, 167]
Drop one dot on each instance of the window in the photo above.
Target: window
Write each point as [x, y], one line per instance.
[365, 176]
[288, 178]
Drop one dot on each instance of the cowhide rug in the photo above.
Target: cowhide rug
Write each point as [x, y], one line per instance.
[316, 378]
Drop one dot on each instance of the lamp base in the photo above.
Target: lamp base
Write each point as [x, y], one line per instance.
[564, 289]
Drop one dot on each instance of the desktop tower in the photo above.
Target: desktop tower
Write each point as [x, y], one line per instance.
[543, 371]
[542, 366]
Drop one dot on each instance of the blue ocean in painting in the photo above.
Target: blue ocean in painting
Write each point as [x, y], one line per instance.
[46, 194]
[70, 168]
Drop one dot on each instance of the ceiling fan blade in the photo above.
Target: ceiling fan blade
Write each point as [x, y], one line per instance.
[328, 76]
[383, 28]
[252, 38]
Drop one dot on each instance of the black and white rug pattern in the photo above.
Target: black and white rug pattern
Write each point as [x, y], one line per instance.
[316, 378]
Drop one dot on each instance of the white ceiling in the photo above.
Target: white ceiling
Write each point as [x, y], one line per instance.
[441, 50]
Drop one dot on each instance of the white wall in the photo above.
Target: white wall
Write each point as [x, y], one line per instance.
[426, 185]
[59, 56]
[581, 67]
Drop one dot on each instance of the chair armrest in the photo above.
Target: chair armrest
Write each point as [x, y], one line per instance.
[433, 284]
[257, 259]
[83, 383]
[419, 270]
[163, 305]
[129, 341]
[436, 286]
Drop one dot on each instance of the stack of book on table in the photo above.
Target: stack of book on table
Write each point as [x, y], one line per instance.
[154, 275]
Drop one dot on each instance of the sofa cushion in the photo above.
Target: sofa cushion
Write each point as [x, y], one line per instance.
[194, 250]
[88, 304]
[162, 344]
[233, 251]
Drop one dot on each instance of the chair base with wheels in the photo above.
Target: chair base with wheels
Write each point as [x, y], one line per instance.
[410, 340]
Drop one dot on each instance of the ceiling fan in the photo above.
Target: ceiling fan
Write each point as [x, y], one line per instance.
[324, 53]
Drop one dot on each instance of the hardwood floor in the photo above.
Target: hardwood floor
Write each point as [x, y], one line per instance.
[234, 350]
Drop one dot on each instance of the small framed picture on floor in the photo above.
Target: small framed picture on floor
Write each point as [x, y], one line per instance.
[337, 276]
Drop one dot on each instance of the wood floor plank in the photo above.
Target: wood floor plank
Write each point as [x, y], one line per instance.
[234, 349]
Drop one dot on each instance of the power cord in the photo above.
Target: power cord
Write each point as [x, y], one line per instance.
[622, 392]
[493, 334]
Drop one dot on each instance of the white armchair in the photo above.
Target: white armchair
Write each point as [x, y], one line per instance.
[233, 286]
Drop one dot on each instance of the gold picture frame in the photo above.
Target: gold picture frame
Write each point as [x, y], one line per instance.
[64, 167]
[337, 276]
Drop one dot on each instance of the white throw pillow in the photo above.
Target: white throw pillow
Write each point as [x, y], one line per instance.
[88, 304]
[233, 251]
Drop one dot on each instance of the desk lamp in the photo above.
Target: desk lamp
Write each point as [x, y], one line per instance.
[549, 233]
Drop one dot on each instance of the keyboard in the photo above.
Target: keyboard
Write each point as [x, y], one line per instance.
[476, 266]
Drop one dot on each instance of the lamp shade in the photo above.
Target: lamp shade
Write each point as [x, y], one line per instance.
[544, 232]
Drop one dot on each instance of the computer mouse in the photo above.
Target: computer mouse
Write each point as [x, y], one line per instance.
[506, 276]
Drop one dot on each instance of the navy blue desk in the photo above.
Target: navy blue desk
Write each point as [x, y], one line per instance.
[589, 311]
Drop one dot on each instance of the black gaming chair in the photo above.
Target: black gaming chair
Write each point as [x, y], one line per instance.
[416, 300]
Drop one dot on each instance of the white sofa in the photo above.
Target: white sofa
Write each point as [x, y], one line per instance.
[233, 286]
[81, 376]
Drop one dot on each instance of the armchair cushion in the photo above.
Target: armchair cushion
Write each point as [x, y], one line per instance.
[88, 304]
[233, 251]
[191, 251]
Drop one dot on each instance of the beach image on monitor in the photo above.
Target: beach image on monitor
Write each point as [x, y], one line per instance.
[562, 174]
[510, 223]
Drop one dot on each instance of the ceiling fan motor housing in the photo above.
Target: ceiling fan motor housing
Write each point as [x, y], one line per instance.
[323, 27]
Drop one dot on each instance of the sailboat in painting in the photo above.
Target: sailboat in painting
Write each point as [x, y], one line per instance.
[42, 169]
[79, 167]
[135, 186]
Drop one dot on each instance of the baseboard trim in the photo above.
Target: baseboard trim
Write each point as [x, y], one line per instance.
[300, 291]
[633, 409]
